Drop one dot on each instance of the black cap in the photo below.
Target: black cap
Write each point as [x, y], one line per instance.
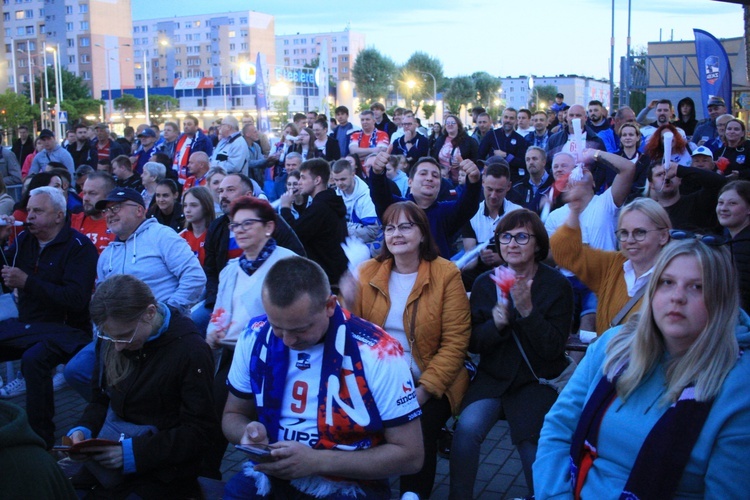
[559, 94]
[46, 133]
[119, 195]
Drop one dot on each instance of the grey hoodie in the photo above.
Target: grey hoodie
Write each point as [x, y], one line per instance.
[157, 255]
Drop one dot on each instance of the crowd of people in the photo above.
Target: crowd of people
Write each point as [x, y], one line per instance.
[331, 299]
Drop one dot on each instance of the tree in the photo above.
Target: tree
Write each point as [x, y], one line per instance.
[159, 104]
[78, 109]
[372, 73]
[487, 87]
[73, 86]
[428, 110]
[128, 104]
[461, 91]
[281, 106]
[15, 110]
[546, 93]
[415, 81]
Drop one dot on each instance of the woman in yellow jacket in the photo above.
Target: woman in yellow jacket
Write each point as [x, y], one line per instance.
[419, 299]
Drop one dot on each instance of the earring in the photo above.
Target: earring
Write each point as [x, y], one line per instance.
[268, 235]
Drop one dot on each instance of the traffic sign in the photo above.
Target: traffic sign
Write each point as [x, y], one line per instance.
[63, 117]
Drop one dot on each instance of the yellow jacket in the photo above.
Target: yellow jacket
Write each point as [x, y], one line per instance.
[442, 326]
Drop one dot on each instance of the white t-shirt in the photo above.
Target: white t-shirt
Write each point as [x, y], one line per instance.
[385, 369]
[399, 288]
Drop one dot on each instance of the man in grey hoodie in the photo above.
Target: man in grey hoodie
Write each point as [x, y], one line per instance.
[149, 251]
[52, 152]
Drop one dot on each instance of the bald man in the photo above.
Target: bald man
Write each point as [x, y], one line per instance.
[198, 166]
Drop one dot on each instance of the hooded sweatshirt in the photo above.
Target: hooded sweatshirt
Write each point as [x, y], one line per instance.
[28, 470]
[157, 255]
[322, 229]
[362, 220]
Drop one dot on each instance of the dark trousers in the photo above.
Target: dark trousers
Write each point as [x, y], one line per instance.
[435, 413]
[40, 347]
[215, 453]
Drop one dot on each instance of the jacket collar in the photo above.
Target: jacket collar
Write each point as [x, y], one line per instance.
[381, 277]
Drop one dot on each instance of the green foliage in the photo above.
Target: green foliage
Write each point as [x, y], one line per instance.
[74, 88]
[486, 87]
[546, 95]
[159, 104]
[281, 106]
[15, 110]
[422, 87]
[460, 92]
[372, 74]
[428, 110]
[80, 108]
[128, 104]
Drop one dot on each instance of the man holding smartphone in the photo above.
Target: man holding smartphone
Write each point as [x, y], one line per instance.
[330, 394]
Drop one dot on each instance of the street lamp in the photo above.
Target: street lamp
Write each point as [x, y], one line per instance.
[31, 82]
[58, 90]
[434, 87]
[109, 85]
[13, 62]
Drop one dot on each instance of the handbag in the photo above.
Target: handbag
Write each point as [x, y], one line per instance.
[558, 383]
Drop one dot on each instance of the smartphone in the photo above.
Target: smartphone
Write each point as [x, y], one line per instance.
[260, 453]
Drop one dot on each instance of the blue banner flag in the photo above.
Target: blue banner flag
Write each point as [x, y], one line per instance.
[261, 100]
[714, 71]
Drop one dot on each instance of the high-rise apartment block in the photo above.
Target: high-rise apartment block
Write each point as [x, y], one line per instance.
[304, 48]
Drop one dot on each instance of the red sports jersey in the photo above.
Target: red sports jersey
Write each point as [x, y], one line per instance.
[196, 243]
[95, 230]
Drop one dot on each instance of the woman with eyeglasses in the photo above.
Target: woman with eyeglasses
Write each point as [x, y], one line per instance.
[325, 146]
[536, 314]
[659, 407]
[735, 149]
[617, 278]
[733, 211]
[152, 396]
[418, 298]
[454, 146]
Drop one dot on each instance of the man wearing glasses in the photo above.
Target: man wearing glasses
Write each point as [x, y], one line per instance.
[151, 252]
[52, 269]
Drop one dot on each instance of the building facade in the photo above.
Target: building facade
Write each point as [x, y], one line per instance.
[303, 48]
[577, 90]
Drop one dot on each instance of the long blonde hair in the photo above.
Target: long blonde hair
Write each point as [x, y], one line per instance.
[639, 346]
[125, 298]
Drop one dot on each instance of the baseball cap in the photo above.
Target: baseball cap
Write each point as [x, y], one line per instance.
[715, 100]
[702, 150]
[147, 132]
[559, 94]
[119, 195]
[46, 133]
[101, 125]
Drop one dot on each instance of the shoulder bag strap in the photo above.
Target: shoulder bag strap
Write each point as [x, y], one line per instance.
[523, 353]
[628, 306]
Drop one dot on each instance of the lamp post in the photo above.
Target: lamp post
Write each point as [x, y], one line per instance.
[31, 82]
[109, 85]
[13, 62]
[58, 92]
[434, 87]
[145, 87]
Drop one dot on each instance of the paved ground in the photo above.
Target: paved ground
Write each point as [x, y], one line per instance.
[500, 475]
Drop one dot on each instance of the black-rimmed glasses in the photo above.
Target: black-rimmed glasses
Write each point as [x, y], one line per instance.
[521, 238]
[116, 208]
[245, 224]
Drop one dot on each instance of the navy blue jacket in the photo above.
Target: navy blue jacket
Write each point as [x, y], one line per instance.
[446, 217]
[514, 144]
[418, 149]
[61, 278]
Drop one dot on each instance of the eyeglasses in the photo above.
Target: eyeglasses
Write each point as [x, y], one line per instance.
[709, 239]
[521, 238]
[114, 209]
[403, 228]
[245, 224]
[450, 123]
[102, 335]
[639, 234]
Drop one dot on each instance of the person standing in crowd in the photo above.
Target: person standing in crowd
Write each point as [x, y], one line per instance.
[733, 211]
[323, 145]
[23, 146]
[453, 147]
[51, 151]
[198, 207]
[508, 144]
[153, 174]
[191, 141]
[658, 407]
[231, 153]
[342, 130]
[122, 169]
[91, 221]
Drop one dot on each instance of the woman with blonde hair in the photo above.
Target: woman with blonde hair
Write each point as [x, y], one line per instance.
[617, 278]
[659, 408]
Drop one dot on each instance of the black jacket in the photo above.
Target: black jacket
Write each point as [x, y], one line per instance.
[175, 220]
[61, 278]
[217, 247]
[22, 150]
[331, 153]
[322, 229]
[468, 147]
[739, 246]
[85, 156]
[169, 387]
[514, 145]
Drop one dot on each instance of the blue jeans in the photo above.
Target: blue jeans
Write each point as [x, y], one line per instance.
[201, 316]
[474, 424]
[242, 487]
[79, 370]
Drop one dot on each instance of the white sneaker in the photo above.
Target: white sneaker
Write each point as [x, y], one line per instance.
[409, 495]
[14, 388]
[58, 381]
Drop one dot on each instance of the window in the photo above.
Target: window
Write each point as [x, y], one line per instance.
[136, 29]
[84, 25]
[344, 58]
[86, 75]
[71, 42]
[243, 46]
[8, 48]
[6, 16]
[200, 102]
[71, 59]
[286, 52]
[231, 59]
[7, 32]
[83, 8]
[231, 21]
[243, 20]
[43, 30]
[178, 62]
[84, 41]
[232, 46]
[232, 34]
[313, 50]
[19, 15]
[68, 26]
[137, 53]
[189, 50]
[286, 42]
[85, 58]
[139, 77]
[344, 49]
[20, 31]
[136, 41]
[188, 38]
[178, 74]
[197, 24]
[144, 29]
[188, 26]
[334, 59]
[344, 70]
[68, 9]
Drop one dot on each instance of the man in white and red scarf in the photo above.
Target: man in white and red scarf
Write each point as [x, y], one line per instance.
[329, 394]
[191, 141]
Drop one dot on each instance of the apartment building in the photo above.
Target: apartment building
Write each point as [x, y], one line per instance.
[577, 89]
[302, 48]
[92, 38]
